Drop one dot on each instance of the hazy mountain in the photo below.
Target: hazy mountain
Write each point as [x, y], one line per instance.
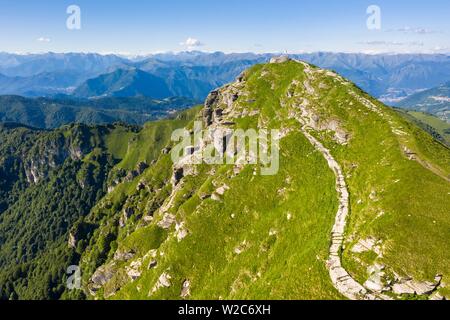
[435, 101]
[196, 81]
[33, 64]
[42, 84]
[124, 83]
[389, 77]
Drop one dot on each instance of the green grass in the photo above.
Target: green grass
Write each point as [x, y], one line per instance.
[442, 127]
[287, 265]
[402, 202]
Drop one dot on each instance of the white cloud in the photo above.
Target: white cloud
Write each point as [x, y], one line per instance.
[412, 30]
[393, 43]
[191, 43]
[440, 49]
[43, 39]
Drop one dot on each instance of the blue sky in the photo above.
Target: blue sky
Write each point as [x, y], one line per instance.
[140, 27]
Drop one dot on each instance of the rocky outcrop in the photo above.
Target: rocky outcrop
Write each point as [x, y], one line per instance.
[280, 59]
[167, 221]
[410, 286]
[180, 231]
[123, 255]
[134, 270]
[177, 175]
[101, 276]
[210, 102]
[163, 282]
[141, 166]
[126, 213]
[72, 242]
[186, 289]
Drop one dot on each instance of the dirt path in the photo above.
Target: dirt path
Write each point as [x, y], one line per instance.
[341, 279]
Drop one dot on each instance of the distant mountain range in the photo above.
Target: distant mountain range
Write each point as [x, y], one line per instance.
[52, 113]
[435, 101]
[124, 83]
[193, 74]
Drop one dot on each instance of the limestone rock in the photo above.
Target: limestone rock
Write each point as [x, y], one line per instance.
[163, 281]
[186, 289]
[72, 242]
[120, 255]
[180, 231]
[416, 287]
[126, 213]
[221, 190]
[167, 220]
[215, 197]
[133, 270]
[280, 59]
[101, 276]
[364, 245]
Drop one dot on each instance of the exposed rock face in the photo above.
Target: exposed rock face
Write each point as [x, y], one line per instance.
[134, 270]
[221, 190]
[126, 213]
[163, 281]
[186, 289]
[180, 231]
[101, 276]
[140, 185]
[75, 152]
[120, 255]
[280, 59]
[410, 154]
[166, 150]
[141, 166]
[167, 220]
[241, 247]
[211, 100]
[416, 287]
[72, 242]
[376, 280]
[364, 245]
[178, 174]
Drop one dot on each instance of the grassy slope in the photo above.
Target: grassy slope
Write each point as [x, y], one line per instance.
[290, 264]
[441, 127]
[412, 199]
[409, 212]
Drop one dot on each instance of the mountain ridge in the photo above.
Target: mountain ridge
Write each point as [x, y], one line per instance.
[387, 77]
[214, 231]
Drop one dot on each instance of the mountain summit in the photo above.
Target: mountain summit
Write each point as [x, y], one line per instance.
[356, 183]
